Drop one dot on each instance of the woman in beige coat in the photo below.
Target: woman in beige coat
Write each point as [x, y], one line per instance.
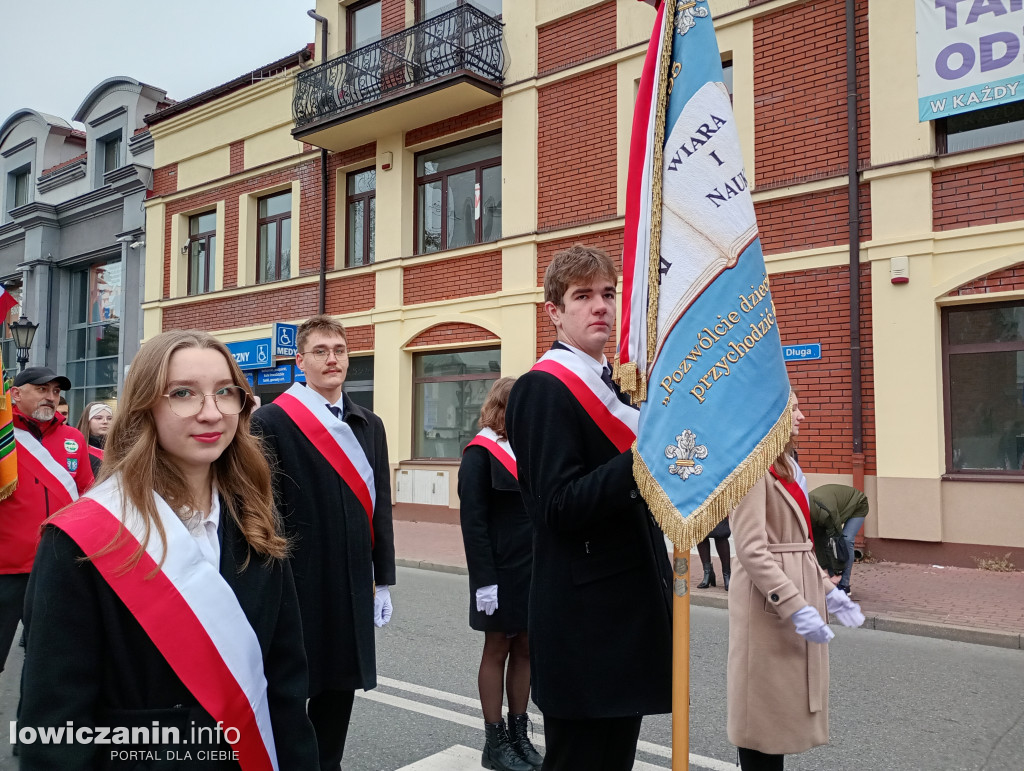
[778, 654]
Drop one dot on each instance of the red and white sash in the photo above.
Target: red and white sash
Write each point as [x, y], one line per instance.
[187, 609]
[616, 420]
[95, 452]
[499, 448]
[37, 460]
[334, 439]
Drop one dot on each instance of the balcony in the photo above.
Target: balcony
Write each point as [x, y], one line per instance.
[444, 66]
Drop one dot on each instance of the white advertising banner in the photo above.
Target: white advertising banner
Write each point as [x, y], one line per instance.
[969, 55]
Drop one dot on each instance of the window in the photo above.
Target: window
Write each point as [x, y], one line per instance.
[7, 348]
[363, 24]
[980, 128]
[727, 75]
[274, 238]
[359, 380]
[94, 334]
[450, 389]
[112, 153]
[20, 187]
[983, 365]
[427, 8]
[458, 195]
[361, 216]
[202, 249]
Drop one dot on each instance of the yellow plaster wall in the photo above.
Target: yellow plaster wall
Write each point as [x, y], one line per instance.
[964, 519]
[550, 10]
[521, 41]
[204, 167]
[634, 23]
[519, 163]
[272, 145]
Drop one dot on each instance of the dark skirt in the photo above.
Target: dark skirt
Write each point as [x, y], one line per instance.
[721, 530]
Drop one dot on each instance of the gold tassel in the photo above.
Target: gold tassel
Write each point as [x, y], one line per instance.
[685, 532]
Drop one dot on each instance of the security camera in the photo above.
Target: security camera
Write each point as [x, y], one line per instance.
[137, 244]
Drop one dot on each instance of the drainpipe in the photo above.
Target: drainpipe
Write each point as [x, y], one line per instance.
[857, 456]
[322, 297]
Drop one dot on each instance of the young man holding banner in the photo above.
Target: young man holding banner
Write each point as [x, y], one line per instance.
[600, 599]
[53, 470]
[333, 490]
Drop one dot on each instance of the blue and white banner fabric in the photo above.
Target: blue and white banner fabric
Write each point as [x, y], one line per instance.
[717, 412]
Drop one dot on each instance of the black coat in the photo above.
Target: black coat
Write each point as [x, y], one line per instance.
[498, 537]
[600, 601]
[89, 661]
[333, 563]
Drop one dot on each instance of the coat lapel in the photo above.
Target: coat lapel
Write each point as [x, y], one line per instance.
[794, 507]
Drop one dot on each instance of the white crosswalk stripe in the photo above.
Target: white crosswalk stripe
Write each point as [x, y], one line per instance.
[452, 758]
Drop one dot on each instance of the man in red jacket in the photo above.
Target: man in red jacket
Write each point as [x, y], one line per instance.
[53, 470]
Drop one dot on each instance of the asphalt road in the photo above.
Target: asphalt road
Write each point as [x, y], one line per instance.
[898, 702]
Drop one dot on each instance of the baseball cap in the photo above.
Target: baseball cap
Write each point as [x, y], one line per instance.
[41, 376]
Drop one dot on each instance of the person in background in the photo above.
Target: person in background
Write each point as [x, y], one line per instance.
[721, 535]
[94, 425]
[778, 660]
[332, 484]
[498, 538]
[62, 408]
[163, 599]
[53, 470]
[837, 511]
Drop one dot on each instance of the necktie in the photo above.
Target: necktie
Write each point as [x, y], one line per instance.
[606, 376]
[336, 411]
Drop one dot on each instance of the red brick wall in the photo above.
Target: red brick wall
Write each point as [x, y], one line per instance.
[392, 17]
[811, 221]
[576, 151]
[578, 38]
[344, 295]
[611, 242]
[475, 274]
[1007, 280]
[800, 91]
[452, 333]
[236, 153]
[165, 180]
[813, 307]
[978, 194]
[360, 338]
[466, 120]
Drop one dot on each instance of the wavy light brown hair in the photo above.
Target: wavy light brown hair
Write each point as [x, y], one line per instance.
[784, 463]
[492, 414]
[578, 264]
[132, 450]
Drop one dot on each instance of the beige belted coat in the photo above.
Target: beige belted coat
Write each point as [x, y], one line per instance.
[777, 682]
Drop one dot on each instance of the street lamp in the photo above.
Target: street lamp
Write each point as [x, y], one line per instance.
[23, 331]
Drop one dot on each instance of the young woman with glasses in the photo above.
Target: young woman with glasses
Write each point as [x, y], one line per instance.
[161, 609]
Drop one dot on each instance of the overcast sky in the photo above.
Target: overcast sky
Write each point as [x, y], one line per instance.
[56, 52]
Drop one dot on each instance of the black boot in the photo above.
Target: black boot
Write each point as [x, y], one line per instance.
[709, 576]
[498, 751]
[518, 726]
[725, 579]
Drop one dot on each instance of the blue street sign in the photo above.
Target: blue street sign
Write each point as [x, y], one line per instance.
[275, 376]
[252, 354]
[300, 376]
[284, 339]
[250, 379]
[801, 352]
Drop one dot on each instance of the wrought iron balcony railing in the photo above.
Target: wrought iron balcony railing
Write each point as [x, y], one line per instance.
[464, 39]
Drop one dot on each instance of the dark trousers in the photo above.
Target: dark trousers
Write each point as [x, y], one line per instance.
[752, 760]
[599, 744]
[12, 607]
[330, 712]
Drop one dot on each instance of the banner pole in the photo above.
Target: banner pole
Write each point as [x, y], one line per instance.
[681, 661]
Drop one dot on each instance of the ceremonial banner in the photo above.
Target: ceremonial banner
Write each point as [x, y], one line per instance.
[699, 345]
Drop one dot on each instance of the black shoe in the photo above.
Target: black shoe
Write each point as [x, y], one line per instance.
[499, 754]
[518, 734]
[709, 576]
[725, 579]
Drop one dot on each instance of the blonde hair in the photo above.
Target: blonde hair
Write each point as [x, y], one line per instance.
[492, 414]
[576, 265]
[241, 471]
[322, 323]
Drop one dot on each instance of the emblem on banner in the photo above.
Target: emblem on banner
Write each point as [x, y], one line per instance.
[687, 14]
[686, 452]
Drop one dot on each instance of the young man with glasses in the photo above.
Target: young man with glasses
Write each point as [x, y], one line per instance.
[332, 487]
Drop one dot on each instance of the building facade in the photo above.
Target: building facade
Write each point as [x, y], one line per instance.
[415, 175]
[72, 234]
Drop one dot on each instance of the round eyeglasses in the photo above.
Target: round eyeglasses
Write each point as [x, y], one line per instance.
[186, 402]
[320, 354]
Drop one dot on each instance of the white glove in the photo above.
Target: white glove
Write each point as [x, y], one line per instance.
[843, 608]
[381, 606]
[487, 599]
[811, 626]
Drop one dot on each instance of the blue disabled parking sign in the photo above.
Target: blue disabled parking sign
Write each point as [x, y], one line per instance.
[285, 339]
[252, 354]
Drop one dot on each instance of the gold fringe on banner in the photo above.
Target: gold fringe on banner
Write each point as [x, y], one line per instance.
[630, 382]
[685, 532]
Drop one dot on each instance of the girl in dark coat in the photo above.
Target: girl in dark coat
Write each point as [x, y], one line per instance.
[497, 535]
[94, 425]
[162, 624]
